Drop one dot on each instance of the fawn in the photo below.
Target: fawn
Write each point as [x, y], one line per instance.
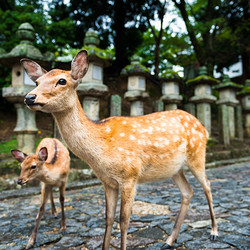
[51, 165]
[123, 151]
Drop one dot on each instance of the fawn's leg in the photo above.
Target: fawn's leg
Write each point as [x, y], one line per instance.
[127, 198]
[186, 193]
[53, 208]
[63, 223]
[44, 197]
[111, 196]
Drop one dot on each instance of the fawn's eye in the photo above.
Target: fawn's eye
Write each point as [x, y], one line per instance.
[33, 167]
[36, 83]
[61, 82]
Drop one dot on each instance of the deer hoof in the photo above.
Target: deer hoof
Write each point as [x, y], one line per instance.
[166, 246]
[213, 237]
[28, 246]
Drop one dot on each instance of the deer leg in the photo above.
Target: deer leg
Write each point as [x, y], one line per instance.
[127, 198]
[53, 208]
[205, 183]
[44, 198]
[63, 223]
[111, 196]
[186, 193]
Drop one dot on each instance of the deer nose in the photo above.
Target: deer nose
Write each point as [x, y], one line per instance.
[29, 99]
[19, 181]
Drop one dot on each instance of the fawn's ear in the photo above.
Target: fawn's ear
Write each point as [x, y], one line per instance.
[33, 69]
[19, 155]
[79, 65]
[43, 154]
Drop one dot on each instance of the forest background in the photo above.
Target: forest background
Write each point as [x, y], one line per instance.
[216, 34]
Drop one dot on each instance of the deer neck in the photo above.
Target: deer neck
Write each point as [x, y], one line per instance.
[80, 134]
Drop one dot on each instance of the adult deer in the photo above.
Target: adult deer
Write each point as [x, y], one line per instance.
[123, 151]
[50, 165]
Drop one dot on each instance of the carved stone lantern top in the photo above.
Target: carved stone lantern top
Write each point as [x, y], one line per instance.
[202, 78]
[244, 94]
[25, 48]
[169, 75]
[227, 91]
[96, 54]
[135, 68]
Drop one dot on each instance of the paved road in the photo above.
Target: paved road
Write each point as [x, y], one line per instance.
[153, 215]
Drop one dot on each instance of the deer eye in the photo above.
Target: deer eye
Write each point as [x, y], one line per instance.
[36, 83]
[33, 167]
[61, 82]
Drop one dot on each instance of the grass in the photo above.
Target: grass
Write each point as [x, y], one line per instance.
[7, 146]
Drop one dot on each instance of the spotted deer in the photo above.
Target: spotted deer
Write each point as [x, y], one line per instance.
[123, 151]
[50, 165]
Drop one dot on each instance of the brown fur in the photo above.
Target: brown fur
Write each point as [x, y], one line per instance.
[124, 151]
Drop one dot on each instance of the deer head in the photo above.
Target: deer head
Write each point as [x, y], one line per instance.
[55, 89]
[31, 166]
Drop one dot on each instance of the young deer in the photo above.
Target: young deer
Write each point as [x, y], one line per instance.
[123, 151]
[50, 165]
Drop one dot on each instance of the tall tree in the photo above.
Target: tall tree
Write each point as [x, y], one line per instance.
[160, 11]
[214, 39]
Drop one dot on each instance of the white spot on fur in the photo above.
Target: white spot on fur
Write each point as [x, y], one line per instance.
[201, 135]
[156, 144]
[120, 149]
[176, 138]
[193, 131]
[186, 124]
[122, 134]
[108, 129]
[124, 122]
[163, 124]
[131, 137]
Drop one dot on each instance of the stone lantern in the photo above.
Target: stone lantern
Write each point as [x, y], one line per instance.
[136, 93]
[170, 81]
[244, 94]
[203, 96]
[21, 84]
[92, 87]
[227, 101]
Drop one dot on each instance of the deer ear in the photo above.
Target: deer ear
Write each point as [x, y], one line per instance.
[43, 154]
[33, 69]
[79, 65]
[19, 155]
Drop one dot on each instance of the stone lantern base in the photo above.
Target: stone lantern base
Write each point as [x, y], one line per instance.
[26, 141]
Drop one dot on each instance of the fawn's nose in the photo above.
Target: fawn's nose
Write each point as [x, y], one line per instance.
[29, 99]
[19, 181]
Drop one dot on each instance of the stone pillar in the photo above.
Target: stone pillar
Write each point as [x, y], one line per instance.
[244, 96]
[227, 98]
[223, 114]
[92, 87]
[231, 121]
[115, 105]
[239, 124]
[190, 108]
[247, 124]
[21, 84]
[136, 93]
[25, 129]
[170, 81]
[203, 97]
[91, 107]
